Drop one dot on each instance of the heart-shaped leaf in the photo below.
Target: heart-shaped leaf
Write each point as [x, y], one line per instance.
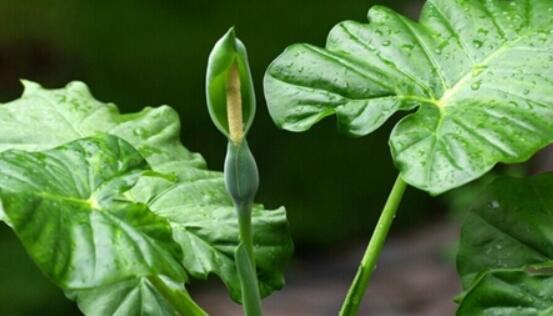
[180, 190]
[479, 72]
[506, 249]
[68, 207]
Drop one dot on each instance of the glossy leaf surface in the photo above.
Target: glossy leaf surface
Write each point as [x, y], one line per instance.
[180, 189]
[509, 228]
[506, 250]
[135, 296]
[43, 118]
[68, 207]
[478, 72]
[204, 224]
[509, 293]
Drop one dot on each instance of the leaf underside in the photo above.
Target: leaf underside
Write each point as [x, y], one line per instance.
[179, 189]
[479, 73]
[506, 251]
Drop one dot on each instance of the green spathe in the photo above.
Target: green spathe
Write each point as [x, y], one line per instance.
[226, 52]
[478, 72]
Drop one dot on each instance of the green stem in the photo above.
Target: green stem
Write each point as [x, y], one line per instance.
[246, 235]
[359, 285]
[179, 300]
[245, 262]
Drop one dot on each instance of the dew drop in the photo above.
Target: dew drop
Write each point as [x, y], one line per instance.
[478, 69]
[386, 43]
[494, 204]
[475, 86]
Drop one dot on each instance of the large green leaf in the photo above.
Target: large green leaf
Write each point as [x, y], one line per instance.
[506, 241]
[204, 224]
[42, 119]
[510, 227]
[192, 198]
[509, 293]
[479, 72]
[68, 207]
[135, 296]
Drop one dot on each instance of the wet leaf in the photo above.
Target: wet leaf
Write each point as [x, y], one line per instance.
[179, 188]
[506, 251]
[509, 227]
[45, 118]
[478, 72]
[67, 206]
[135, 296]
[204, 224]
[509, 293]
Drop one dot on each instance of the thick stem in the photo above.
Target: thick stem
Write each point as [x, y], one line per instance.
[179, 300]
[359, 285]
[245, 262]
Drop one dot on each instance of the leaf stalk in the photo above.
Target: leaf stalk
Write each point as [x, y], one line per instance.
[360, 283]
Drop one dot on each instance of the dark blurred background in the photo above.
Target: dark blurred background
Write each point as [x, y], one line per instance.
[139, 53]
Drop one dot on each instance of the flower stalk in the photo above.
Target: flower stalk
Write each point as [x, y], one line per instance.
[231, 104]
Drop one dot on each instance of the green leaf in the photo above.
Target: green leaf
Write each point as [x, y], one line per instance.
[135, 296]
[204, 223]
[69, 209]
[478, 71]
[508, 293]
[227, 51]
[506, 251]
[510, 227]
[43, 119]
[3, 217]
[179, 189]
